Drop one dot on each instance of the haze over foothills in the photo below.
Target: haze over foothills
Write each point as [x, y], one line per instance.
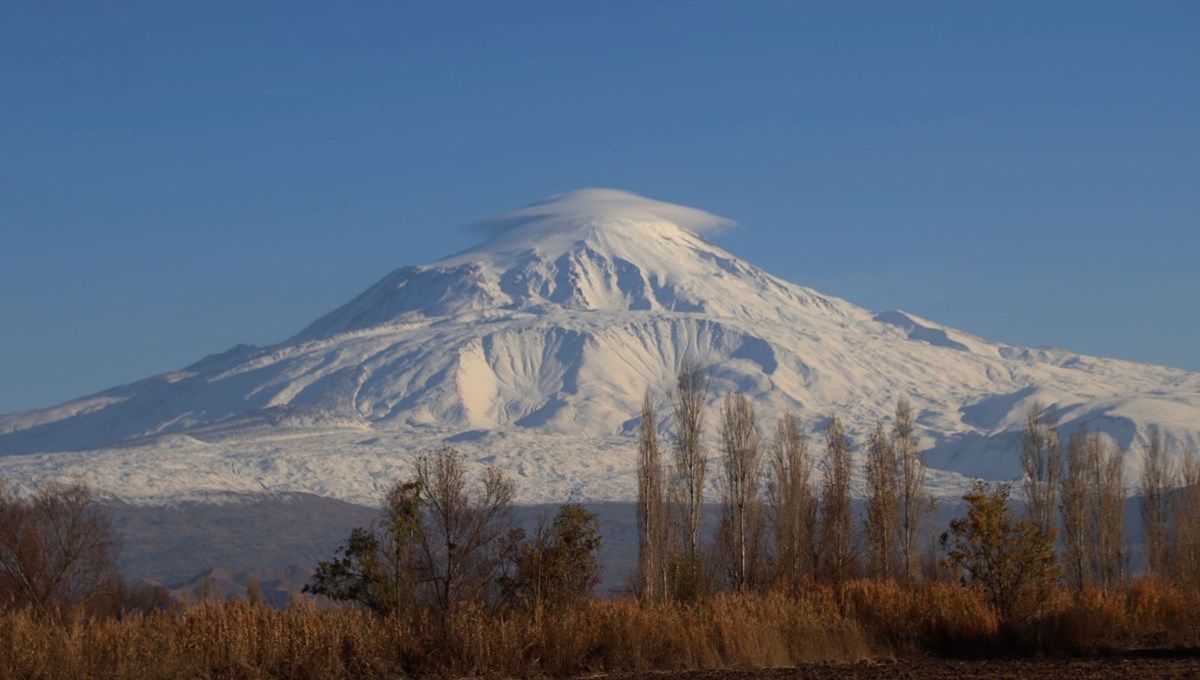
[176, 181]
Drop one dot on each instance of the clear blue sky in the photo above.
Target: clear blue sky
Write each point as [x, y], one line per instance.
[176, 178]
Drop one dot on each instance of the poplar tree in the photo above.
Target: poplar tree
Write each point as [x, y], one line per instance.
[651, 511]
[882, 523]
[837, 527]
[741, 457]
[691, 465]
[1185, 541]
[1041, 461]
[1156, 476]
[792, 503]
[913, 502]
[1105, 529]
[1074, 493]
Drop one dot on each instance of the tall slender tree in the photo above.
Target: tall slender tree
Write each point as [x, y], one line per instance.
[1105, 529]
[882, 523]
[913, 502]
[837, 527]
[793, 506]
[691, 463]
[1185, 541]
[1041, 461]
[651, 510]
[741, 457]
[1156, 480]
[1074, 495]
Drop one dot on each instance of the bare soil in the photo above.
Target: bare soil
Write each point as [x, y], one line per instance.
[1129, 667]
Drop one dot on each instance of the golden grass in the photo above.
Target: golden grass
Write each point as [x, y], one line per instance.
[862, 620]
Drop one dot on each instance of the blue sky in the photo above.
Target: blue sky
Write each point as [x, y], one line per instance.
[176, 178]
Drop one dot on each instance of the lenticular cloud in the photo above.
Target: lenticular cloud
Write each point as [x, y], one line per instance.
[557, 210]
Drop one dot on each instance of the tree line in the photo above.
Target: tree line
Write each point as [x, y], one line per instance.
[781, 524]
[786, 517]
[1084, 481]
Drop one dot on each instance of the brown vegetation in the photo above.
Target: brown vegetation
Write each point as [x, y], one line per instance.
[858, 621]
[57, 551]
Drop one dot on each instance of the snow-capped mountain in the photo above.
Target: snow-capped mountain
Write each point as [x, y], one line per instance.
[532, 351]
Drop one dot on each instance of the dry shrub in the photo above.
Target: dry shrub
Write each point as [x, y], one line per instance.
[861, 620]
[237, 640]
[935, 617]
[1085, 622]
[1149, 614]
[624, 635]
[1161, 614]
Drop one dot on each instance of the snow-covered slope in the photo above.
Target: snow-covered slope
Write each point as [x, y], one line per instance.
[532, 351]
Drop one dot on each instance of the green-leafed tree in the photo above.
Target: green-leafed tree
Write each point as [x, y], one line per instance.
[557, 566]
[378, 567]
[1010, 557]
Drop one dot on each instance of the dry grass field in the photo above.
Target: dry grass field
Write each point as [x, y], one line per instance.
[887, 628]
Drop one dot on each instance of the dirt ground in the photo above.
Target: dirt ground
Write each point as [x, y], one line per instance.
[1125, 668]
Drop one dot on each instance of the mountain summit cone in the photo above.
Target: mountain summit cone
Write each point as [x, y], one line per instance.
[591, 249]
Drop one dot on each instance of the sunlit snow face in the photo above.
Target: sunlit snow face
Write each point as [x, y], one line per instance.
[533, 351]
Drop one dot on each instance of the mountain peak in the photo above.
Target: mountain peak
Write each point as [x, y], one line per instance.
[585, 250]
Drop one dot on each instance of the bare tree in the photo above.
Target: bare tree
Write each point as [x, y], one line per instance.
[57, 549]
[1185, 539]
[463, 526]
[1105, 529]
[837, 527]
[1156, 480]
[651, 511]
[691, 463]
[1074, 494]
[742, 466]
[1041, 461]
[793, 507]
[913, 502]
[883, 517]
